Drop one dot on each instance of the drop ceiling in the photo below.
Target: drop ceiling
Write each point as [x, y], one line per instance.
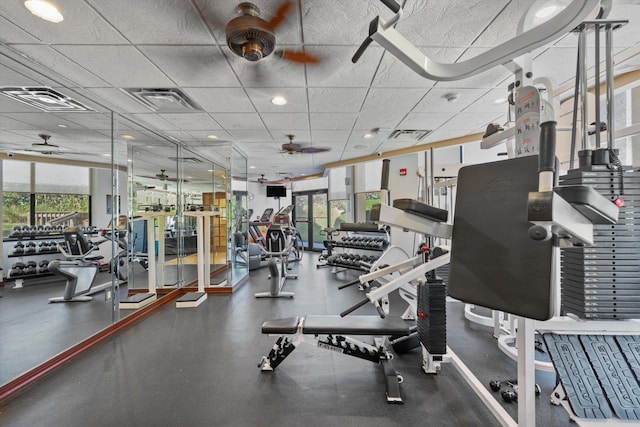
[105, 47]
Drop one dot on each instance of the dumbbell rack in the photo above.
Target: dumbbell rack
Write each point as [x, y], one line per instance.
[367, 242]
[31, 250]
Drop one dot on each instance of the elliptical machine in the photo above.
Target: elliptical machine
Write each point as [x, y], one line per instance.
[282, 245]
[79, 268]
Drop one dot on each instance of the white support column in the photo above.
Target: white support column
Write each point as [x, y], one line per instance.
[160, 272]
[206, 254]
[151, 252]
[526, 372]
[201, 252]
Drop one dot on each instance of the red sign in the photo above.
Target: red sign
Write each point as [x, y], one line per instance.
[403, 172]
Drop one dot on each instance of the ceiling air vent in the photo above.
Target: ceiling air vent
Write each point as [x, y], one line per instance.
[409, 134]
[44, 98]
[164, 100]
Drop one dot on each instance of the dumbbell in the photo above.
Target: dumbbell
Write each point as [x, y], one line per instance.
[43, 266]
[16, 232]
[18, 248]
[31, 268]
[17, 269]
[509, 394]
[30, 247]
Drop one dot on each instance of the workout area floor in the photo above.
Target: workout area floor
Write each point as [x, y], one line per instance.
[198, 367]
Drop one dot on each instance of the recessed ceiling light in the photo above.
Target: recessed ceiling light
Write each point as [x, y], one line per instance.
[128, 137]
[278, 100]
[545, 12]
[130, 160]
[44, 9]
[62, 126]
[367, 136]
[252, 167]
[360, 147]
[210, 170]
[106, 155]
[213, 136]
[499, 101]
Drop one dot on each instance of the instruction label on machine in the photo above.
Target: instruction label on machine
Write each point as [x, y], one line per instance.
[527, 121]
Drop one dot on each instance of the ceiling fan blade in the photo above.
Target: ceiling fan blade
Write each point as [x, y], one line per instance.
[311, 150]
[281, 14]
[299, 57]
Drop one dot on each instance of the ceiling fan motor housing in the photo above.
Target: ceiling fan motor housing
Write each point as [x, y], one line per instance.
[248, 36]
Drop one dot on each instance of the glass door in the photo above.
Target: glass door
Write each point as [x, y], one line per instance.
[310, 217]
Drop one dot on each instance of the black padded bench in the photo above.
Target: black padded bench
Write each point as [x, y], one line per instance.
[334, 331]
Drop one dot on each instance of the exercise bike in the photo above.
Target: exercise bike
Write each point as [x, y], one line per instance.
[79, 268]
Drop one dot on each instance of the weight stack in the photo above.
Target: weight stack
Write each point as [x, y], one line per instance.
[603, 281]
[432, 316]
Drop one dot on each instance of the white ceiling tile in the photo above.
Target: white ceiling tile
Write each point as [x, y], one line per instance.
[12, 33]
[203, 135]
[11, 77]
[426, 121]
[286, 121]
[94, 121]
[174, 21]
[346, 24]
[155, 121]
[486, 103]
[386, 99]
[261, 99]
[239, 121]
[330, 136]
[249, 135]
[259, 147]
[429, 23]
[471, 121]
[335, 68]
[121, 66]
[81, 25]
[191, 121]
[380, 119]
[193, 66]
[332, 121]
[436, 100]
[505, 25]
[335, 100]
[221, 100]
[62, 65]
[557, 63]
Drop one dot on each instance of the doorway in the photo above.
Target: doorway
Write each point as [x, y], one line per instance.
[310, 217]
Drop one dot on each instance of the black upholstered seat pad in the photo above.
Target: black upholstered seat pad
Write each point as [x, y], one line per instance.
[354, 325]
[288, 325]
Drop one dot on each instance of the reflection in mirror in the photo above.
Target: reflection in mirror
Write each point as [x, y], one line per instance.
[154, 245]
[56, 190]
[239, 216]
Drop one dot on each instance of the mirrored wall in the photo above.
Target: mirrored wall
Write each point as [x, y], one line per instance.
[127, 191]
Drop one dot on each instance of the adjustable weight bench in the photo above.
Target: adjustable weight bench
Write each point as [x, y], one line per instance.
[330, 332]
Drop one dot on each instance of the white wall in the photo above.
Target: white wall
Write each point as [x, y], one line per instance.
[261, 202]
[100, 187]
[404, 187]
